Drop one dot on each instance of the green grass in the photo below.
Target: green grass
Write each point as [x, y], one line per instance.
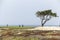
[12, 33]
[17, 27]
[21, 38]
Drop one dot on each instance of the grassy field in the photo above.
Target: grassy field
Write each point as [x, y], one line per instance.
[19, 33]
[17, 27]
[7, 32]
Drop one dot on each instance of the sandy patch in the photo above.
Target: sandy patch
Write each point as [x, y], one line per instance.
[45, 28]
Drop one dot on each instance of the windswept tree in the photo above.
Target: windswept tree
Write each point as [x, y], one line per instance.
[45, 16]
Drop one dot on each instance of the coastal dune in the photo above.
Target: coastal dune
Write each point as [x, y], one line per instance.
[45, 28]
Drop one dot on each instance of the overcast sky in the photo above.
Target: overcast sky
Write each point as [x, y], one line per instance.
[15, 12]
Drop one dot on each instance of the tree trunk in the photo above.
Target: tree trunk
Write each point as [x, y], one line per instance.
[44, 22]
[42, 25]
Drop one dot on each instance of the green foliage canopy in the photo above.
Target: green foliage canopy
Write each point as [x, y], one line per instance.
[45, 15]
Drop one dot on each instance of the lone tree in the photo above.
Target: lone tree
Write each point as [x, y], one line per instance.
[45, 16]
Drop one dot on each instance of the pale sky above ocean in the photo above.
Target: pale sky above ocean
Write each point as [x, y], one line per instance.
[15, 12]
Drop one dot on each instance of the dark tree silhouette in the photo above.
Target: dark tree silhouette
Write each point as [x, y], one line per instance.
[7, 25]
[19, 25]
[45, 16]
[22, 25]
